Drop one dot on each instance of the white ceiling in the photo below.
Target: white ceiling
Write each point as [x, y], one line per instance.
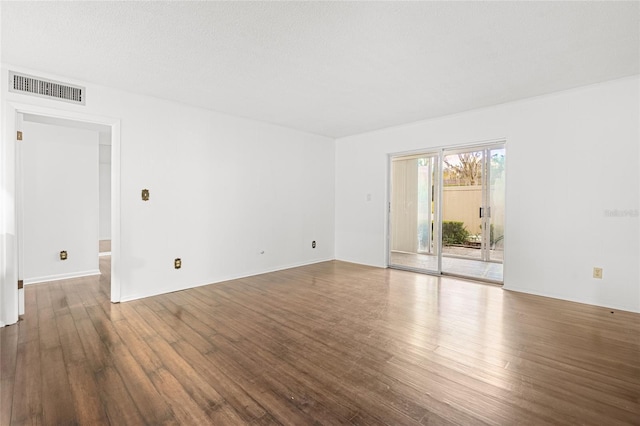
[331, 68]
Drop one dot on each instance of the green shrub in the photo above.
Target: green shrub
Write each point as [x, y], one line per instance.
[454, 233]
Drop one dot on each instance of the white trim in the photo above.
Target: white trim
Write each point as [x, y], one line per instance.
[357, 262]
[388, 225]
[116, 283]
[453, 147]
[439, 215]
[21, 299]
[8, 243]
[598, 304]
[59, 277]
[224, 279]
[19, 201]
[104, 253]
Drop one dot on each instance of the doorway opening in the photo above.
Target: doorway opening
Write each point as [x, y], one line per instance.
[63, 200]
[13, 303]
[446, 212]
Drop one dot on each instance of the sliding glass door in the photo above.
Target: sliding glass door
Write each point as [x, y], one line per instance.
[473, 212]
[446, 212]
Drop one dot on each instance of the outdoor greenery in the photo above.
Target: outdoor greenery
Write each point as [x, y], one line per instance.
[466, 169]
[454, 233]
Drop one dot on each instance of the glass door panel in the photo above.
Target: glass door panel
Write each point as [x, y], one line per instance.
[496, 190]
[426, 213]
[462, 199]
[413, 231]
[473, 212]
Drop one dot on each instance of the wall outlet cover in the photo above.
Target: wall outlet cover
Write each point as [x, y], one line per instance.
[597, 273]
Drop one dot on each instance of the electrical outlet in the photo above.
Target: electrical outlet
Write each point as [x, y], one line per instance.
[313, 244]
[177, 263]
[597, 273]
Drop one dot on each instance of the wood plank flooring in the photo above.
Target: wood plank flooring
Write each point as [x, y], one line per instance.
[331, 343]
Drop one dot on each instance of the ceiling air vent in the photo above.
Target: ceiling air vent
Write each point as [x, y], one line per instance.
[29, 85]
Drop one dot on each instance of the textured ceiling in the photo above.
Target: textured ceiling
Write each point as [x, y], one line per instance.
[331, 68]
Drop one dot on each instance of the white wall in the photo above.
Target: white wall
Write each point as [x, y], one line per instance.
[60, 207]
[572, 157]
[223, 189]
[104, 182]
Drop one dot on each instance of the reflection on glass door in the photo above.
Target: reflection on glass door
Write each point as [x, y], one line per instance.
[413, 207]
[447, 212]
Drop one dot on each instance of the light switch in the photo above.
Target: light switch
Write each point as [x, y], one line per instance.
[145, 195]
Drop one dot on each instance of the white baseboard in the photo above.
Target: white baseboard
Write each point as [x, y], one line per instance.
[225, 278]
[21, 301]
[599, 303]
[61, 277]
[356, 262]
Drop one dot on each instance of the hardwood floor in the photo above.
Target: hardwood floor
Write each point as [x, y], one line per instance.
[331, 343]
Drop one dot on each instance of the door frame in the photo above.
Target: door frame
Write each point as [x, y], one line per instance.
[439, 151]
[11, 302]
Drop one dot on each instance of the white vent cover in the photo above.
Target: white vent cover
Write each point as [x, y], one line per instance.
[30, 85]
